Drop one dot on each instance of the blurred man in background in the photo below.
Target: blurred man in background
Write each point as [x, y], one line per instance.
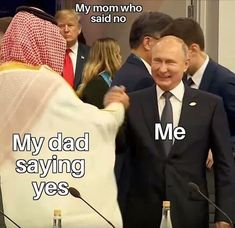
[135, 73]
[204, 73]
[76, 52]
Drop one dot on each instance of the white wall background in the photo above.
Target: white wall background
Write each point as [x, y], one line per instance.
[226, 34]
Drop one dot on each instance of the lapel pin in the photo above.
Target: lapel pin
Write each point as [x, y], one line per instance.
[82, 57]
[193, 103]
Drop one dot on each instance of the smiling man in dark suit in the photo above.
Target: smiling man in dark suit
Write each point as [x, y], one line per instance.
[162, 167]
[69, 23]
[135, 73]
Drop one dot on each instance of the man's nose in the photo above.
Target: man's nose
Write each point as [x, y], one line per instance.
[163, 67]
[66, 28]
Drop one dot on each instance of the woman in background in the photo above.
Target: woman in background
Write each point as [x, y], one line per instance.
[103, 62]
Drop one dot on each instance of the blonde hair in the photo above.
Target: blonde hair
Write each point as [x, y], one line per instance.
[104, 55]
[66, 12]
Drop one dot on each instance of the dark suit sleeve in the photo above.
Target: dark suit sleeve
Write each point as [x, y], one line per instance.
[95, 91]
[82, 56]
[224, 165]
[144, 83]
[133, 75]
[229, 103]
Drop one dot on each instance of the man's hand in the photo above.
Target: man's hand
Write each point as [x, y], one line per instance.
[209, 160]
[116, 94]
[222, 225]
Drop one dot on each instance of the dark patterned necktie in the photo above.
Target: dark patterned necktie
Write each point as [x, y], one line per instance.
[167, 118]
[189, 82]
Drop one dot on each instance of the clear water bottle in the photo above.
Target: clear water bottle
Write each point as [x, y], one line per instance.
[166, 215]
[57, 221]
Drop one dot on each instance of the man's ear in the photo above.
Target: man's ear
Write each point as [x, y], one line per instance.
[79, 29]
[147, 43]
[194, 49]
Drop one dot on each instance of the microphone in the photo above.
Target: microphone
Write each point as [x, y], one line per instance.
[2, 213]
[74, 192]
[196, 188]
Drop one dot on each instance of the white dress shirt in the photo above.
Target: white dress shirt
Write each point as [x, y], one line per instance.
[197, 77]
[176, 102]
[147, 66]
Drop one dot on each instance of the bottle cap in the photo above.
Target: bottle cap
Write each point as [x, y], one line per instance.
[166, 203]
[57, 212]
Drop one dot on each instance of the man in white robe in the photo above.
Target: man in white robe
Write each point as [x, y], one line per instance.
[37, 105]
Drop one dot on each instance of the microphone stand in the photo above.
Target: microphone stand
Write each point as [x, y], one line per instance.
[97, 212]
[75, 193]
[197, 189]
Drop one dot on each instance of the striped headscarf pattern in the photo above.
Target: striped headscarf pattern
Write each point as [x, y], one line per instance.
[34, 41]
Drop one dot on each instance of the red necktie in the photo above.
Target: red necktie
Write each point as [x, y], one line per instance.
[68, 73]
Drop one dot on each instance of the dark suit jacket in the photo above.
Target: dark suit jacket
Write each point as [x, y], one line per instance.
[94, 91]
[83, 52]
[156, 177]
[221, 81]
[133, 75]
